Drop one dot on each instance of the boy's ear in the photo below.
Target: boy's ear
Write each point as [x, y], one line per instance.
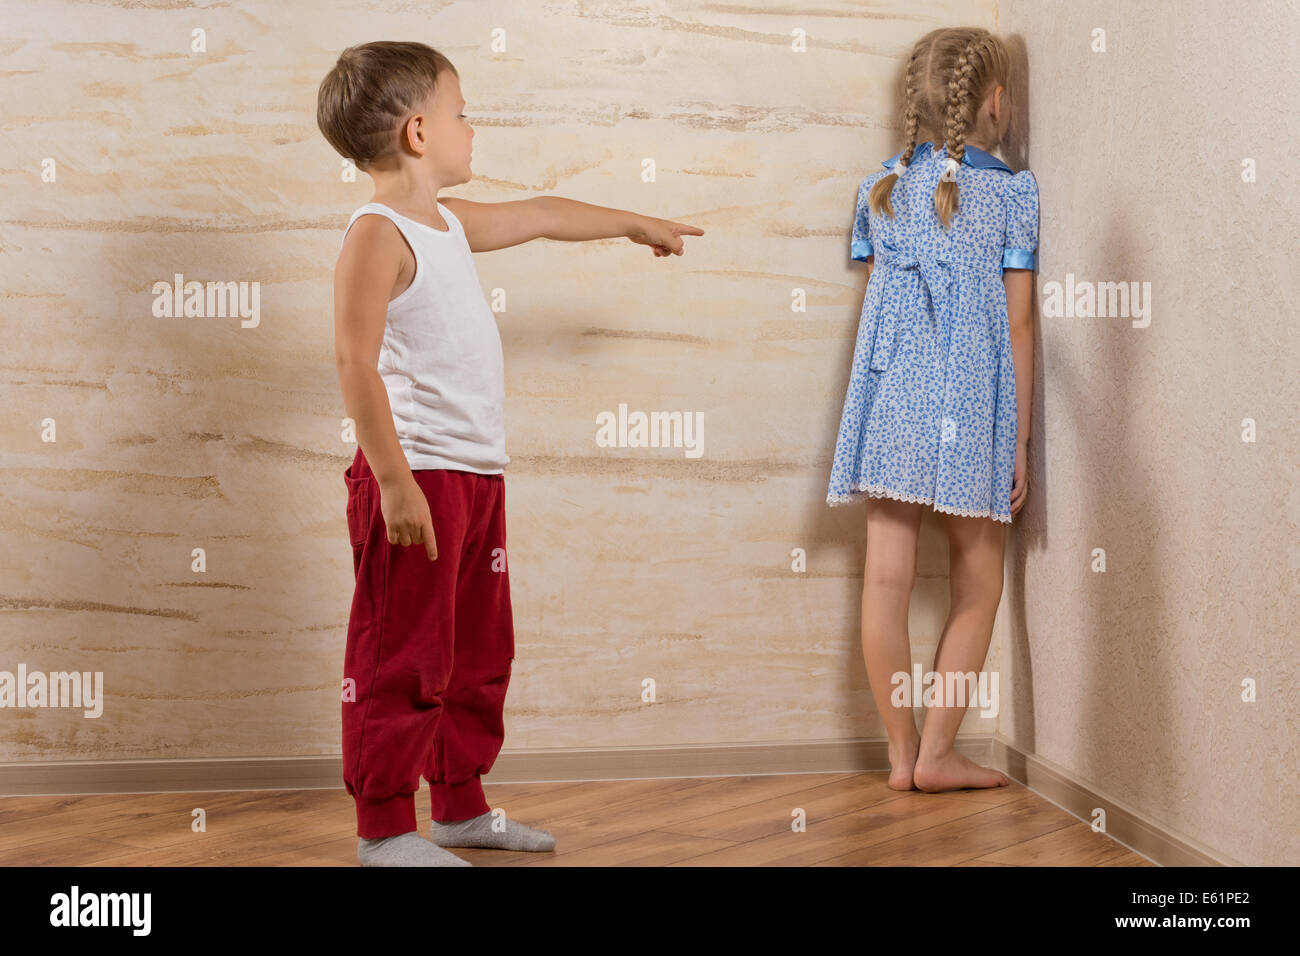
[414, 134]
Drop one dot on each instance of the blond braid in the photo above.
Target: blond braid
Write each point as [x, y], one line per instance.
[878, 200]
[948, 69]
[959, 94]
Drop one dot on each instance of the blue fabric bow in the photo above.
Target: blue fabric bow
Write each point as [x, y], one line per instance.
[903, 273]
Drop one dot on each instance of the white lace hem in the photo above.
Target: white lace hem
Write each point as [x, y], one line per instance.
[880, 491]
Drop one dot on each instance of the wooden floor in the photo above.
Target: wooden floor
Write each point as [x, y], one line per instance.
[853, 819]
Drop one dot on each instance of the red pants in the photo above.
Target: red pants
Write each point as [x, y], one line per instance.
[429, 649]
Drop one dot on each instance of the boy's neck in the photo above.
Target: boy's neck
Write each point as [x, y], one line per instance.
[410, 195]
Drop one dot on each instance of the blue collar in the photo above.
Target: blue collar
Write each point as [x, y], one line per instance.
[974, 157]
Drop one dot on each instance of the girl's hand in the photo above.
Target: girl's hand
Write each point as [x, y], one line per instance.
[406, 515]
[1020, 482]
[662, 235]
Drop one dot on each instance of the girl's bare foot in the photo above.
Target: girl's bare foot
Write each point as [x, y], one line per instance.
[902, 760]
[952, 771]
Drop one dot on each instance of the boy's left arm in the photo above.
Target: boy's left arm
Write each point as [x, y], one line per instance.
[498, 225]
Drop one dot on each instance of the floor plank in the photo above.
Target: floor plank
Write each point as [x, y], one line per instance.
[1066, 847]
[849, 819]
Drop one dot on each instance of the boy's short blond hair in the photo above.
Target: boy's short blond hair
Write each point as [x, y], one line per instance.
[371, 91]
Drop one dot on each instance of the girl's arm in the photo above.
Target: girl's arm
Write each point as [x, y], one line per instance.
[1019, 285]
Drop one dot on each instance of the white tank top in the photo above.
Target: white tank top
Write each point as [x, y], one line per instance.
[441, 357]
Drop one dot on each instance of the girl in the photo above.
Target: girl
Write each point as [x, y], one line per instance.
[938, 403]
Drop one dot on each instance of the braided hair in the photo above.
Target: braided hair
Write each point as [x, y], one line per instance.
[947, 75]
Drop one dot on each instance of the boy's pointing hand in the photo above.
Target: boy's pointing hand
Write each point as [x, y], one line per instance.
[662, 235]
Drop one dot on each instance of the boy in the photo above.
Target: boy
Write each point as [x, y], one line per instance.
[430, 637]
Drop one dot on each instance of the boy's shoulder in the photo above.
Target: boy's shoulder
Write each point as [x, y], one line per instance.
[373, 236]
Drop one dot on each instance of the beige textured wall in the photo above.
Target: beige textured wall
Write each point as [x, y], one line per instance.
[174, 434]
[625, 563]
[1131, 679]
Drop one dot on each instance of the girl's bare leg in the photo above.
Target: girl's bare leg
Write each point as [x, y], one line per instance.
[975, 580]
[887, 580]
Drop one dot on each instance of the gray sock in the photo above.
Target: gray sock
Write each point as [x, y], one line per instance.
[477, 831]
[406, 849]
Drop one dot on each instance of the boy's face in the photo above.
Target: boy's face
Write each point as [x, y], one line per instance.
[443, 133]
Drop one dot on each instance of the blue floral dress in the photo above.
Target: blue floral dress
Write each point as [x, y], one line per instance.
[930, 412]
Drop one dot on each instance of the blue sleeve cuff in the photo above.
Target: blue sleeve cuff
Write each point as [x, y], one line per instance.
[1019, 259]
[861, 249]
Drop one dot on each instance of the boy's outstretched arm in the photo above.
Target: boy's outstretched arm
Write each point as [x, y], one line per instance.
[498, 225]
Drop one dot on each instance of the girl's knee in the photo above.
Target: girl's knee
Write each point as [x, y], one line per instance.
[980, 586]
[888, 577]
